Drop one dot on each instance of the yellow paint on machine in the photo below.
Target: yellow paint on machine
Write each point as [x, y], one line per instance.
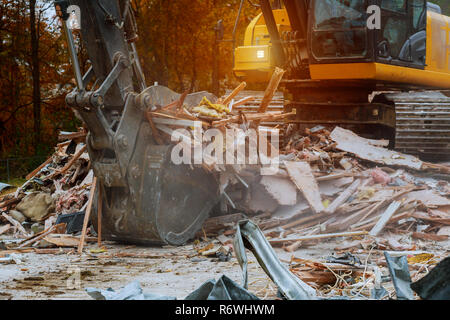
[438, 43]
[381, 72]
[254, 60]
[436, 73]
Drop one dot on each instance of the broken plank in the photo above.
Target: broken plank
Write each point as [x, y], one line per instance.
[335, 176]
[5, 228]
[343, 197]
[62, 240]
[320, 236]
[271, 89]
[72, 135]
[349, 220]
[429, 236]
[243, 101]
[234, 93]
[87, 215]
[99, 215]
[16, 224]
[301, 175]
[369, 225]
[385, 217]
[41, 235]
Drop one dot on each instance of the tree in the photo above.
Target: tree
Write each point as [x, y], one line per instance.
[34, 76]
[34, 31]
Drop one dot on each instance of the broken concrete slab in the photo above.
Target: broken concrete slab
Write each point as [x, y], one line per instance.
[302, 176]
[281, 189]
[261, 200]
[36, 206]
[368, 150]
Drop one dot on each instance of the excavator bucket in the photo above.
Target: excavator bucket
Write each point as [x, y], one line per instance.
[165, 203]
[144, 196]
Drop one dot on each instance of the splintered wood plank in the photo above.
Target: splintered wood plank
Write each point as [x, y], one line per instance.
[387, 215]
[4, 228]
[343, 197]
[319, 236]
[302, 176]
[234, 93]
[87, 216]
[271, 89]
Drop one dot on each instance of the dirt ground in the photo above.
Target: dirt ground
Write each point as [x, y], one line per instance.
[172, 271]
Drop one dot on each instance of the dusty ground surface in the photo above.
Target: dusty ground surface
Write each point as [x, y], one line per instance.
[173, 271]
[180, 271]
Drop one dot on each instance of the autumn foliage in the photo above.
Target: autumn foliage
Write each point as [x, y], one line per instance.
[176, 40]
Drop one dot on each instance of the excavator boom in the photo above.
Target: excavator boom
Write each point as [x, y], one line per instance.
[145, 197]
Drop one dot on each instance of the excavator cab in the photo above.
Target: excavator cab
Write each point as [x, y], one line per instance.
[318, 39]
[340, 54]
[383, 37]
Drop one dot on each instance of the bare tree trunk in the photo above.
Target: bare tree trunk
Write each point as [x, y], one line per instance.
[36, 77]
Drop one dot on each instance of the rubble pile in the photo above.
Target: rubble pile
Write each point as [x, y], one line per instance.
[58, 187]
[326, 185]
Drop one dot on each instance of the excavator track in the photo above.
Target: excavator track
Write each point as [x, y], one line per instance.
[422, 123]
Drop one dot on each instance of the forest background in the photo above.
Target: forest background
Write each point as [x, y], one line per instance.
[176, 48]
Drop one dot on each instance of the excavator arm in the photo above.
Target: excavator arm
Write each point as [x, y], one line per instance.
[146, 198]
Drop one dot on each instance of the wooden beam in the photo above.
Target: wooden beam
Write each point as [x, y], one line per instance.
[320, 236]
[234, 93]
[271, 89]
[99, 215]
[87, 215]
[36, 171]
[343, 197]
[386, 216]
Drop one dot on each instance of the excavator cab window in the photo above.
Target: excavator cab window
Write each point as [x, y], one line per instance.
[339, 29]
[402, 38]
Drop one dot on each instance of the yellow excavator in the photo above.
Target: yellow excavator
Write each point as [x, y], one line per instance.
[379, 67]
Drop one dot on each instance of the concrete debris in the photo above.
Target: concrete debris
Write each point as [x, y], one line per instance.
[36, 206]
[331, 191]
[132, 291]
[17, 215]
[282, 190]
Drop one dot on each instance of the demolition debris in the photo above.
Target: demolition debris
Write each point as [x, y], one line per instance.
[387, 213]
